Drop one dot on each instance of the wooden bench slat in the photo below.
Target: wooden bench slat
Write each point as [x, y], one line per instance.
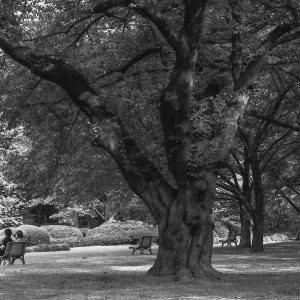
[13, 251]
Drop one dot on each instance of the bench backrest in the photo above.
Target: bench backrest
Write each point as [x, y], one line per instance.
[145, 241]
[15, 248]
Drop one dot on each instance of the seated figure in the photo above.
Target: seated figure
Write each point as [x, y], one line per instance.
[7, 239]
[19, 236]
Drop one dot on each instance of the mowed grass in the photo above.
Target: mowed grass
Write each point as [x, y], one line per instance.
[113, 273]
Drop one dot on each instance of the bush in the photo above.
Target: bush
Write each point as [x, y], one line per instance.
[46, 248]
[54, 247]
[62, 231]
[105, 238]
[64, 234]
[33, 249]
[116, 233]
[221, 230]
[72, 241]
[65, 246]
[279, 237]
[131, 228]
[84, 230]
[267, 239]
[36, 235]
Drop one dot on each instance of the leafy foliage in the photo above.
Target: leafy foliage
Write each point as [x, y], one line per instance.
[36, 235]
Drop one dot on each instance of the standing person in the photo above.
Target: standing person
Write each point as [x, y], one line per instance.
[6, 240]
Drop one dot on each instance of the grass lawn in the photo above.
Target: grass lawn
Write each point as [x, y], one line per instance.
[113, 273]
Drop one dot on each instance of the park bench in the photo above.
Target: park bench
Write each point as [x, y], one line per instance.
[231, 238]
[13, 251]
[145, 243]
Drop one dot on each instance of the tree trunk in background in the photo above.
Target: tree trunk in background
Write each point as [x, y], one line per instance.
[245, 241]
[258, 233]
[258, 217]
[75, 216]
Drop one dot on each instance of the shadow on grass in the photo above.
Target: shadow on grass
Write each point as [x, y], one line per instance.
[274, 274]
[124, 285]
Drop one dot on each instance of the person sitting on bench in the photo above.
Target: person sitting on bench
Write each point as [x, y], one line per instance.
[19, 236]
[7, 239]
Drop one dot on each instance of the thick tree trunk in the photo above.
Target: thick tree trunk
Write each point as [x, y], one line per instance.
[245, 241]
[186, 234]
[258, 234]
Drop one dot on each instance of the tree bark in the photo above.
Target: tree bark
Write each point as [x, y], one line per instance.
[245, 241]
[186, 234]
[258, 234]
[258, 216]
[245, 221]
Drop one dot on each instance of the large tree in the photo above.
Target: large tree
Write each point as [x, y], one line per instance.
[197, 133]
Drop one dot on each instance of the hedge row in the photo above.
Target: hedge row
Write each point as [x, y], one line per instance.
[62, 231]
[47, 248]
[64, 234]
[103, 239]
[34, 235]
[117, 233]
[110, 233]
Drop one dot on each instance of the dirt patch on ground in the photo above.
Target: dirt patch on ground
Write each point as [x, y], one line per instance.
[113, 273]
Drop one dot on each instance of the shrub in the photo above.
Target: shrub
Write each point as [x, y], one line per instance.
[33, 249]
[84, 230]
[116, 233]
[131, 228]
[267, 239]
[54, 247]
[46, 248]
[221, 230]
[105, 238]
[62, 231]
[36, 235]
[72, 241]
[63, 234]
[65, 246]
[279, 237]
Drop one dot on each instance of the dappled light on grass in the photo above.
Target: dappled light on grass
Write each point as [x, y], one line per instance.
[257, 269]
[113, 273]
[144, 268]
